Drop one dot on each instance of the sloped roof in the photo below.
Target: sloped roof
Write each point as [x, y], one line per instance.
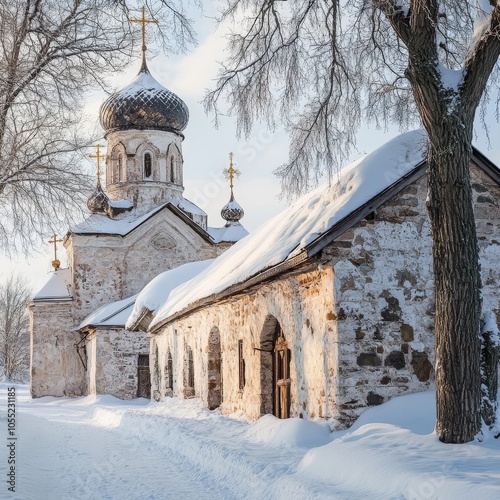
[229, 233]
[288, 235]
[99, 224]
[156, 292]
[102, 224]
[114, 314]
[305, 228]
[57, 286]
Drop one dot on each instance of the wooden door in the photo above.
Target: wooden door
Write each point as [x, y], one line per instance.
[281, 369]
[143, 377]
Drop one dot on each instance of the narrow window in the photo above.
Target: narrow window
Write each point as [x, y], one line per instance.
[172, 169]
[147, 165]
[120, 173]
[170, 373]
[241, 365]
[190, 368]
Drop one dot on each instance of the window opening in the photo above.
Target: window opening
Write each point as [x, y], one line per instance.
[147, 165]
[172, 169]
[190, 368]
[241, 365]
[170, 374]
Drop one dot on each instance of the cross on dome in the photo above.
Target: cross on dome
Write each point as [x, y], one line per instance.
[98, 200]
[56, 264]
[98, 156]
[143, 21]
[231, 212]
[231, 172]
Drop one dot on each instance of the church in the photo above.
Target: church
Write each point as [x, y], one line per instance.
[326, 309]
[139, 225]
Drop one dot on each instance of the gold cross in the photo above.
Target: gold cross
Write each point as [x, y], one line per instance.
[55, 263]
[98, 155]
[143, 21]
[231, 172]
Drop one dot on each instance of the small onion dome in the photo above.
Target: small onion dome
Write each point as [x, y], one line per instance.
[98, 200]
[232, 212]
[144, 104]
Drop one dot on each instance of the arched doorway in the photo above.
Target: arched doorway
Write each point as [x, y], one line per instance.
[275, 370]
[214, 397]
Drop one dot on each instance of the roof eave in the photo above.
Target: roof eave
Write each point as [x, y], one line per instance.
[312, 249]
[176, 211]
[234, 289]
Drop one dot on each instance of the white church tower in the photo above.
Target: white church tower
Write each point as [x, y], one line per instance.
[143, 125]
[140, 225]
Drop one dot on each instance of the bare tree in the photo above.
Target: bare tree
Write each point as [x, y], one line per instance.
[325, 67]
[51, 54]
[14, 329]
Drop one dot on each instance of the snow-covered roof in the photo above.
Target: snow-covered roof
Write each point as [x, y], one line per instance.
[122, 225]
[120, 203]
[230, 233]
[57, 286]
[289, 233]
[156, 292]
[189, 206]
[114, 314]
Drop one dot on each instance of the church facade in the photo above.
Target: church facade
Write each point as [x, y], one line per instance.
[327, 309]
[140, 225]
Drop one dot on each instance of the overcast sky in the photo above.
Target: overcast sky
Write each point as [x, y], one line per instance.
[206, 149]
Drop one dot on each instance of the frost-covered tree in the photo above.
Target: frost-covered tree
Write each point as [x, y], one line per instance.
[327, 66]
[52, 53]
[14, 329]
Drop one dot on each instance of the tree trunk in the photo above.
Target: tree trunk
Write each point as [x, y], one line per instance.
[490, 354]
[457, 282]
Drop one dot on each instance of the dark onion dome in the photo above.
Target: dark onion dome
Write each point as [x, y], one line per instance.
[98, 200]
[144, 104]
[232, 212]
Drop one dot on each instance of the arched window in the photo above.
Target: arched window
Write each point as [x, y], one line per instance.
[147, 165]
[120, 167]
[169, 369]
[172, 169]
[190, 374]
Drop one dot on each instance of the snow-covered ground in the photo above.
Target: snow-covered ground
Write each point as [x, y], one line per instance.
[104, 448]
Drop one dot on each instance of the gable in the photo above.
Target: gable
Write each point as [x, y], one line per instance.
[98, 224]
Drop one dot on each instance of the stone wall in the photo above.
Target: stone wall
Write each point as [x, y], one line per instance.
[107, 268]
[360, 330]
[384, 296]
[131, 184]
[112, 356]
[303, 306]
[55, 367]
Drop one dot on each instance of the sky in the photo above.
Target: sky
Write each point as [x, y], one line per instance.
[206, 148]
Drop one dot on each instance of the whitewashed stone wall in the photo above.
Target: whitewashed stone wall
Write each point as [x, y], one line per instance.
[108, 268]
[56, 369]
[360, 330]
[303, 305]
[113, 362]
[132, 145]
[105, 269]
[384, 296]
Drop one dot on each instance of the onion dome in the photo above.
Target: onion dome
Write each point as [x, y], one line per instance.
[144, 104]
[232, 212]
[98, 200]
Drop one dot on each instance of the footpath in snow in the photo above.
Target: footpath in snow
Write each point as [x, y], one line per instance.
[104, 448]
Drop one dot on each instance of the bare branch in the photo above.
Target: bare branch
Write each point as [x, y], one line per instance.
[52, 53]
